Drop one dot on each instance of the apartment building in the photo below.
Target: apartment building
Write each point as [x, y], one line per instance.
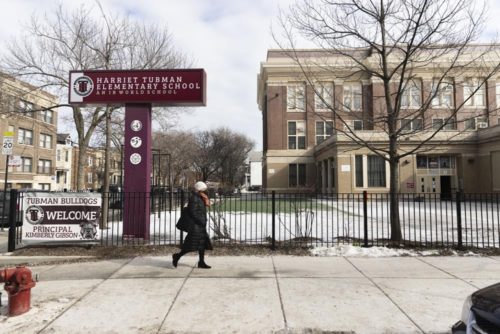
[307, 146]
[64, 158]
[24, 113]
[93, 168]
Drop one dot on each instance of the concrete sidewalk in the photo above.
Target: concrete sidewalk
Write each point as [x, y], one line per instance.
[282, 294]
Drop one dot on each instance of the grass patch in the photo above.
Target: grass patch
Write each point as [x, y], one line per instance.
[265, 205]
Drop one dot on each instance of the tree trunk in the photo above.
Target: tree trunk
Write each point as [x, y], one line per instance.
[80, 177]
[394, 202]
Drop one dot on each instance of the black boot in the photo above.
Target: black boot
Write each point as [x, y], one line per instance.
[175, 259]
[201, 262]
[203, 265]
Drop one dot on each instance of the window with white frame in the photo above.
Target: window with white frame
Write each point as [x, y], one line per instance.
[295, 97]
[45, 140]
[408, 124]
[26, 165]
[436, 161]
[47, 116]
[411, 96]
[26, 108]
[89, 177]
[323, 97]
[474, 92]
[90, 161]
[25, 136]
[352, 98]
[370, 171]
[357, 125]
[44, 166]
[443, 94]
[475, 123]
[498, 95]
[450, 124]
[296, 135]
[324, 130]
[296, 175]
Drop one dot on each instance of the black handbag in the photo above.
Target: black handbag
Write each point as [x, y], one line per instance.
[184, 223]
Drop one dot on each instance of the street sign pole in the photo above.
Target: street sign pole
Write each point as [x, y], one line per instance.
[8, 143]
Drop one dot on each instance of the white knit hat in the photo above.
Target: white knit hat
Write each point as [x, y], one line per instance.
[200, 186]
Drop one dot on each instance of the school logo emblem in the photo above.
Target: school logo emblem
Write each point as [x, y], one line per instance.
[34, 214]
[83, 86]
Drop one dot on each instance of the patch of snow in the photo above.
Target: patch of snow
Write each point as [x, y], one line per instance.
[356, 251]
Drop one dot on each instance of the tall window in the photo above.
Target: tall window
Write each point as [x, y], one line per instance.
[26, 108]
[45, 140]
[44, 166]
[449, 124]
[359, 170]
[408, 124]
[89, 177]
[324, 130]
[297, 175]
[372, 169]
[376, 171]
[443, 94]
[323, 97]
[58, 155]
[352, 97]
[296, 135]
[295, 97]
[474, 93]
[25, 136]
[411, 97]
[66, 156]
[47, 116]
[26, 165]
[90, 161]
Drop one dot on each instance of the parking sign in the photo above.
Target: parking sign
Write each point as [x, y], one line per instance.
[8, 143]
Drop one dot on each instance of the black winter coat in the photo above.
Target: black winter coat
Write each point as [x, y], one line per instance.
[197, 238]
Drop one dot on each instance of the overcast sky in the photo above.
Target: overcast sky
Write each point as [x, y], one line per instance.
[228, 38]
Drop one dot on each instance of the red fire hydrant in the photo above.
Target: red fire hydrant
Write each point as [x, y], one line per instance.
[18, 284]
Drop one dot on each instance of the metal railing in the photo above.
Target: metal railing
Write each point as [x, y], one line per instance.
[427, 220]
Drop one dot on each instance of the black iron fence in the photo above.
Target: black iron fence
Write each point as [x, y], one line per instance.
[273, 219]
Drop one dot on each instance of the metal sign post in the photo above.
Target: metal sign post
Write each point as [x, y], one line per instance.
[7, 146]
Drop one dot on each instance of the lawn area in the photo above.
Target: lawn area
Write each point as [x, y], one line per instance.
[264, 205]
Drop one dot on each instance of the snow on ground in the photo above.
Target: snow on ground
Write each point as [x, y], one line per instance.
[356, 251]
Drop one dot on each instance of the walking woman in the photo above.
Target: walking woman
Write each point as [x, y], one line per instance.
[197, 238]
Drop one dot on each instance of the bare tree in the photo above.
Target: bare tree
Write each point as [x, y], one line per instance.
[63, 41]
[392, 42]
[220, 153]
[180, 147]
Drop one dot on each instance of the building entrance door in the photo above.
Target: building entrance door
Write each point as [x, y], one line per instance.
[445, 187]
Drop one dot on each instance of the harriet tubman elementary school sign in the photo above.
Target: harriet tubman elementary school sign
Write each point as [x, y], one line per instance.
[158, 87]
[61, 216]
[139, 91]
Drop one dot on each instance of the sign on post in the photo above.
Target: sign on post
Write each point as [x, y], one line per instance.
[138, 91]
[176, 87]
[8, 143]
[15, 161]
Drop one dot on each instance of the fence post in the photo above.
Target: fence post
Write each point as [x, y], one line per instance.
[459, 218]
[365, 217]
[12, 220]
[273, 220]
[182, 206]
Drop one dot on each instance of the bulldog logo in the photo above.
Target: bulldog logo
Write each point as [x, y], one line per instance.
[88, 230]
